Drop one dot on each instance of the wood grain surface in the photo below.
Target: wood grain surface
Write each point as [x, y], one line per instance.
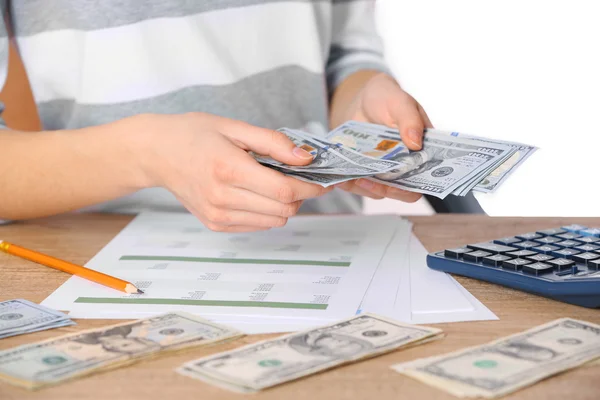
[78, 237]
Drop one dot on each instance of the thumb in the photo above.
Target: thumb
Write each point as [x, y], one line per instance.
[268, 142]
[411, 127]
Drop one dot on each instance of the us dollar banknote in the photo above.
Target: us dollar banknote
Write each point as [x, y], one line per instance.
[383, 142]
[324, 180]
[330, 166]
[372, 140]
[493, 179]
[449, 162]
[56, 360]
[443, 165]
[509, 364]
[20, 316]
[272, 362]
[374, 164]
[328, 158]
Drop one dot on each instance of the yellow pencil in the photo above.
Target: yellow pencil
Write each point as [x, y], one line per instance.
[70, 268]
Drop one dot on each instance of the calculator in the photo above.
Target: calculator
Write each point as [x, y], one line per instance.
[561, 263]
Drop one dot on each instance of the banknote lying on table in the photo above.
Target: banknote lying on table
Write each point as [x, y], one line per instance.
[272, 362]
[449, 162]
[495, 369]
[18, 317]
[56, 360]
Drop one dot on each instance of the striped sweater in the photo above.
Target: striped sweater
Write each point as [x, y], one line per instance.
[271, 63]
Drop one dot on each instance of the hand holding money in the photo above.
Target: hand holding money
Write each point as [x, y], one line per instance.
[379, 99]
[449, 163]
[207, 167]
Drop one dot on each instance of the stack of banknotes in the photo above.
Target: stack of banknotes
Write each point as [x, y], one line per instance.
[18, 317]
[509, 364]
[53, 361]
[269, 363]
[449, 162]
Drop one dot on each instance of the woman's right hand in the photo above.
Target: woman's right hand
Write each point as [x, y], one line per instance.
[202, 159]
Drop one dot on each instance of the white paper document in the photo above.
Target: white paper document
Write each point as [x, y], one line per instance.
[314, 269]
[405, 289]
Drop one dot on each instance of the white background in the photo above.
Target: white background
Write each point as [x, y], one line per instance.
[527, 71]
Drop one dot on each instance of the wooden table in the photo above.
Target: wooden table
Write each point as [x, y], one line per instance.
[79, 237]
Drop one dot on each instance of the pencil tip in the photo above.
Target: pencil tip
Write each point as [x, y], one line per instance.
[140, 291]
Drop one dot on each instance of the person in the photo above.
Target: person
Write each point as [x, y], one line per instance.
[155, 105]
[117, 340]
[327, 344]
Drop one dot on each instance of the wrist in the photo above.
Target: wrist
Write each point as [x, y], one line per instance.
[135, 139]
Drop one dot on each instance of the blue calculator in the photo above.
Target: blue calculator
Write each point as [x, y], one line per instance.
[560, 263]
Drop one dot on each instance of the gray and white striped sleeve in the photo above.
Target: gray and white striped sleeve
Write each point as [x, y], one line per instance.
[355, 42]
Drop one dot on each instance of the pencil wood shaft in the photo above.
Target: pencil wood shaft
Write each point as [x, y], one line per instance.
[68, 267]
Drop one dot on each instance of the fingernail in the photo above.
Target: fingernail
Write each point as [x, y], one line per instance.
[365, 184]
[301, 153]
[415, 137]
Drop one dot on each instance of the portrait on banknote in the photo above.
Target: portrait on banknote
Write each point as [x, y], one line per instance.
[117, 340]
[329, 344]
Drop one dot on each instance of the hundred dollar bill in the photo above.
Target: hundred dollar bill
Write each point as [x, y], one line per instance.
[498, 175]
[21, 316]
[443, 165]
[272, 362]
[372, 140]
[324, 180]
[467, 186]
[382, 142]
[375, 164]
[53, 361]
[328, 158]
[506, 365]
[449, 163]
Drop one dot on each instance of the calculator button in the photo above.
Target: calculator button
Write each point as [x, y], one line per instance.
[548, 232]
[528, 236]
[493, 248]
[539, 258]
[561, 264]
[564, 253]
[496, 260]
[548, 240]
[507, 241]
[594, 264]
[457, 252]
[476, 256]
[588, 239]
[545, 249]
[574, 228]
[525, 245]
[568, 236]
[570, 271]
[537, 268]
[521, 253]
[567, 243]
[595, 232]
[516, 264]
[587, 247]
[583, 258]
